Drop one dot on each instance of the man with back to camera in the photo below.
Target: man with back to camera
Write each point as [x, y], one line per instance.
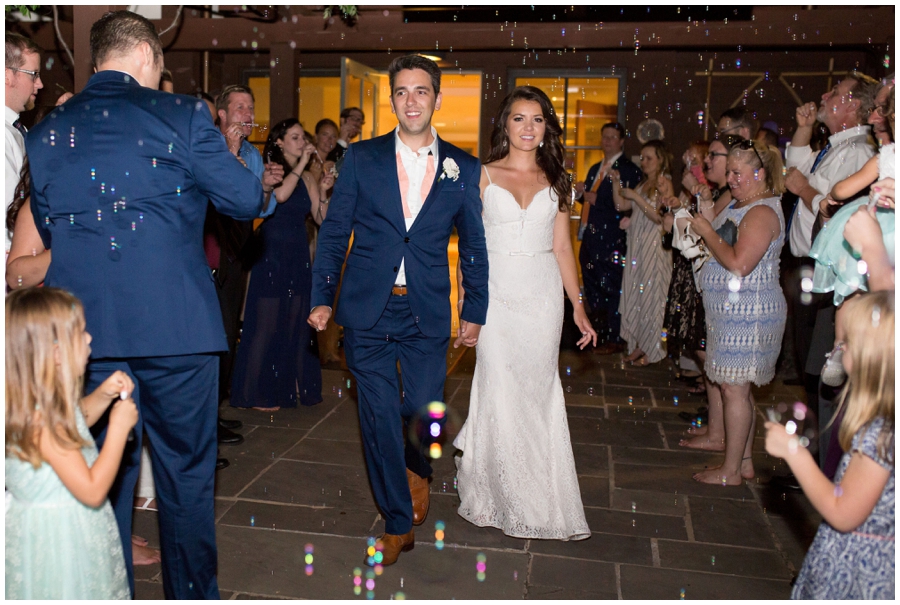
[602, 251]
[400, 195]
[121, 175]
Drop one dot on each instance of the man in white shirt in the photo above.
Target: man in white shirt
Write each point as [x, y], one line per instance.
[811, 176]
[23, 81]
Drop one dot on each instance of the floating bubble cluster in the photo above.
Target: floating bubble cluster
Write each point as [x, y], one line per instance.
[480, 567]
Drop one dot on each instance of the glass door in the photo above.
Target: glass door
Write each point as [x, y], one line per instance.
[368, 89]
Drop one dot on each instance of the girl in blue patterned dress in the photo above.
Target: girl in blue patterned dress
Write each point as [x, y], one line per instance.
[852, 556]
[744, 305]
[62, 541]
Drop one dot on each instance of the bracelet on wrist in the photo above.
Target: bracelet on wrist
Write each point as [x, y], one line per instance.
[325, 202]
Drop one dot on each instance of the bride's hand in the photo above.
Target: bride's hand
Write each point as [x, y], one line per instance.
[588, 335]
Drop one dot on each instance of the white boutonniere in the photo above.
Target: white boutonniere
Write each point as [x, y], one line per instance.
[451, 170]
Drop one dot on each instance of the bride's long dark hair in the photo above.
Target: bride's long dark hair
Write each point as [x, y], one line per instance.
[550, 156]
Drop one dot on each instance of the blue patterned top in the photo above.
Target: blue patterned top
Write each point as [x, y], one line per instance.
[857, 564]
[745, 316]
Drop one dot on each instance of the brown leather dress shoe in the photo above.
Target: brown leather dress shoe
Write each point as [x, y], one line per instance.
[390, 546]
[418, 489]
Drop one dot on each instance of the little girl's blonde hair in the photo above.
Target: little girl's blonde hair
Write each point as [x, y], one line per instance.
[43, 373]
[869, 391]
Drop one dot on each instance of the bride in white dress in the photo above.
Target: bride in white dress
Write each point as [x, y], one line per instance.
[517, 471]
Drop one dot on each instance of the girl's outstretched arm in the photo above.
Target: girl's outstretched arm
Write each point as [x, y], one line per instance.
[843, 506]
[90, 485]
[857, 181]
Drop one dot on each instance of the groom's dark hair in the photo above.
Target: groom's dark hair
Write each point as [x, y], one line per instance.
[416, 62]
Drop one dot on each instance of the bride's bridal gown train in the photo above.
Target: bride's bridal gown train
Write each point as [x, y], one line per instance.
[517, 471]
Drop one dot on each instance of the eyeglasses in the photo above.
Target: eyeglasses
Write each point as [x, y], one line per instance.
[730, 129]
[748, 144]
[717, 154]
[35, 75]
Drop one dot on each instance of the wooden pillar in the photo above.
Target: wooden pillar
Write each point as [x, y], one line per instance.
[83, 18]
[283, 82]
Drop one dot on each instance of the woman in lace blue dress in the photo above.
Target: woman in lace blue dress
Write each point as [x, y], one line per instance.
[745, 307]
[852, 556]
[276, 359]
[62, 540]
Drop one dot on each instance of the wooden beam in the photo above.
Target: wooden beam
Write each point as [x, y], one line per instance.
[772, 27]
[284, 74]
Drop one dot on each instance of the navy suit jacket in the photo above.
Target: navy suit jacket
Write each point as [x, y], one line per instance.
[367, 202]
[121, 175]
[606, 235]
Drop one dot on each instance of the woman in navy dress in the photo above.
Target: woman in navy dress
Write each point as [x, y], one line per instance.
[276, 360]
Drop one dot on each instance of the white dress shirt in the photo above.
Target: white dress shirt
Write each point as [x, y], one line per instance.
[15, 157]
[849, 151]
[415, 163]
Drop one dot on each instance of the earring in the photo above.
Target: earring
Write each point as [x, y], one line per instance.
[504, 142]
[542, 144]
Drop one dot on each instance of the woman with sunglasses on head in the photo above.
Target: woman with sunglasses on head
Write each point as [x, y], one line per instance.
[712, 198]
[745, 307]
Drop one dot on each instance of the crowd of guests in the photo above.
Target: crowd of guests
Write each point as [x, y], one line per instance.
[716, 294]
[694, 271]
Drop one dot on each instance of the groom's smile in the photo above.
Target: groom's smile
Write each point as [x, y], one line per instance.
[414, 102]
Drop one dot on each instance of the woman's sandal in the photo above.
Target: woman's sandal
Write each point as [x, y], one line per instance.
[699, 388]
[641, 362]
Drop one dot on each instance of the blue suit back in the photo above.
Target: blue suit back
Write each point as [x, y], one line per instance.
[121, 175]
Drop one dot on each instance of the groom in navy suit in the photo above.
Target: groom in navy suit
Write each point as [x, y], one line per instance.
[121, 175]
[400, 195]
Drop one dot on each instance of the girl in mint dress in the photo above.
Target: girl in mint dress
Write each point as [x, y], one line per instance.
[62, 541]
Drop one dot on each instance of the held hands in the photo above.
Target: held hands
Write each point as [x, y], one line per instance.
[806, 115]
[588, 335]
[319, 317]
[590, 197]
[468, 334]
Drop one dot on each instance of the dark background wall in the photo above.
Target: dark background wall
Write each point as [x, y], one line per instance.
[662, 79]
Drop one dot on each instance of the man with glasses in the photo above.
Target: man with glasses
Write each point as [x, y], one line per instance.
[879, 107]
[352, 121]
[23, 81]
[737, 121]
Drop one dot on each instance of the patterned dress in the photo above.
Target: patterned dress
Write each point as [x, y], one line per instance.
[858, 564]
[744, 316]
[57, 547]
[645, 285]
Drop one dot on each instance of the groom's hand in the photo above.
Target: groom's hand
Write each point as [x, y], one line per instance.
[319, 316]
[468, 334]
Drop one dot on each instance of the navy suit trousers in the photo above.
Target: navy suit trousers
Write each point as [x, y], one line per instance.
[385, 414]
[177, 403]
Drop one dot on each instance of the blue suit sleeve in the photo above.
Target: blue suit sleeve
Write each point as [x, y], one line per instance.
[40, 209]
[334, 235]
[473, 251]
[234, 191]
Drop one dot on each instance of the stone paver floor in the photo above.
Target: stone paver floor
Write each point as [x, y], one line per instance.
[298, 482]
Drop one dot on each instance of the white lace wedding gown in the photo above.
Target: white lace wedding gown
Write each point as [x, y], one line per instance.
[517, 471]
